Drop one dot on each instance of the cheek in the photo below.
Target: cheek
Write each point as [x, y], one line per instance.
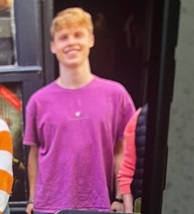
[56, 49]
[91, 41]
[53, 48]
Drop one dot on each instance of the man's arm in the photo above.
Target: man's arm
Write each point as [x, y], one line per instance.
[118, 156]
[127, 198]
[32, 173]
[128, 163]
[128, 202]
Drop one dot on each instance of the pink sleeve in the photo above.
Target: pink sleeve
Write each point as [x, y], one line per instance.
[127, 167]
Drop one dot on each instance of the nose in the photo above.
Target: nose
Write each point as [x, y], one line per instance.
[71, 40]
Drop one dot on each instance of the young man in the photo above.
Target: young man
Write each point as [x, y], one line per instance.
[74, 126]
[6, 170]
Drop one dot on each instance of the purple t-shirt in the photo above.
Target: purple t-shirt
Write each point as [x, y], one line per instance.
[76, 131]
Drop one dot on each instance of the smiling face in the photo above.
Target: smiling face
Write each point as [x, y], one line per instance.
[72, 34]
[71, 45]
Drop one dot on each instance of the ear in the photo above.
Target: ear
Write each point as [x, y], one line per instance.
[52, 47]
[92, 41]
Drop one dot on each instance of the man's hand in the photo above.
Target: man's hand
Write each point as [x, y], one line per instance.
[117, 206]
[29, 208]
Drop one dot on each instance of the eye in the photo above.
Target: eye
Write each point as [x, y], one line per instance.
[78, 34]
[63, 37]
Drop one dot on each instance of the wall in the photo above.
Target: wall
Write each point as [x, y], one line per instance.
[179, 193]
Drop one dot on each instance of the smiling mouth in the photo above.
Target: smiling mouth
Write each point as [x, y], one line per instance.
[72, 51]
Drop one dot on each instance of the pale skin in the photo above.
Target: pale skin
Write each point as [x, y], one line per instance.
[32, 173]
[71, 47]
[118, 156]
[128, 203]
[127, 197]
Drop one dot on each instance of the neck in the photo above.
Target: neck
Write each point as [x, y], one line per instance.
[75, 76]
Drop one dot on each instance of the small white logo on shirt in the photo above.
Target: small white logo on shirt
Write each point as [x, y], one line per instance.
[77, 113]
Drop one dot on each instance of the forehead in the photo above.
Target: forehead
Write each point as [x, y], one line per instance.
[72, 30]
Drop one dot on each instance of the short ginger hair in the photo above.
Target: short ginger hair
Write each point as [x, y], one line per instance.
[5, 4]
[71, 17]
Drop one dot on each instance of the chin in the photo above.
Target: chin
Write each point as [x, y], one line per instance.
[73, 63]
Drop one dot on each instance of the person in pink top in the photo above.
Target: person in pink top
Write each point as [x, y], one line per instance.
[130, 174]
[74, 127]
